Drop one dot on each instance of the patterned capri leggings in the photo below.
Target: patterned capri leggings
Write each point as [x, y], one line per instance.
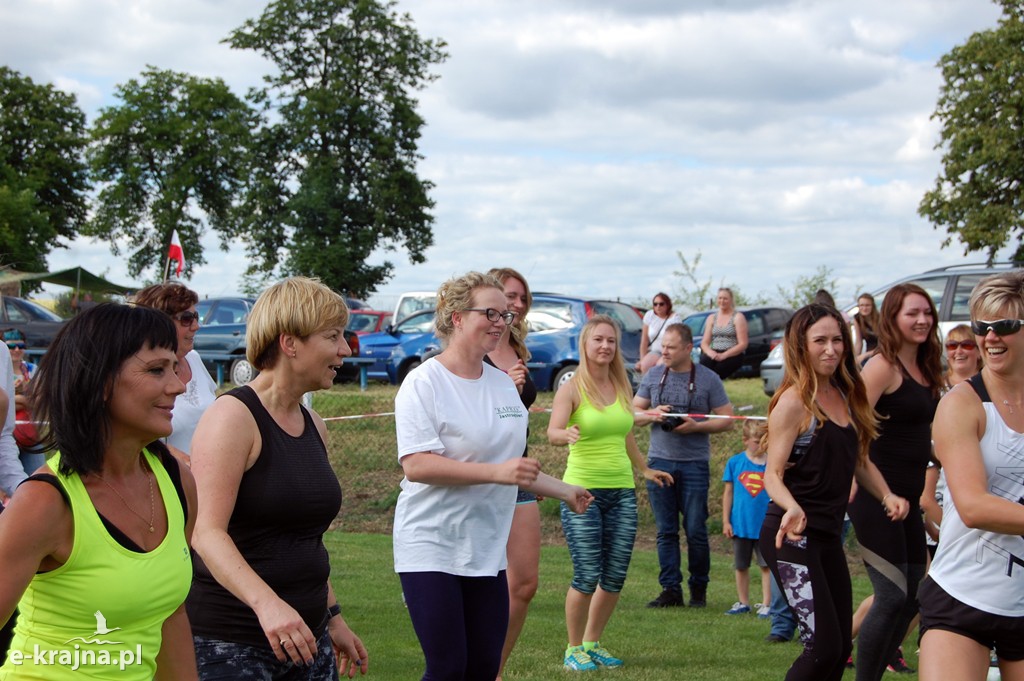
[813, 576]
[601, 540]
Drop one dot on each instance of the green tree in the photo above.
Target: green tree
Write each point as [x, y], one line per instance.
[43, 175]
[695, 294]
[336, 178]
[804, 287]
[979, 195]
[175, 147]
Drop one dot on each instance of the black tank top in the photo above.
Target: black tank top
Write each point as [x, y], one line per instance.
[904, 444]
[285, 503]
[820, 479]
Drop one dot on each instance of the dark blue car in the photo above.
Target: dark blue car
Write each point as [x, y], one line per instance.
[379, 346]
[555, 324]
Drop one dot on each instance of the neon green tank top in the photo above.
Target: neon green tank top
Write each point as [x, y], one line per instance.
[99, 616]
[598, 460]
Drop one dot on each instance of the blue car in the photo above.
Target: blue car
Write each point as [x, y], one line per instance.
[555, 324]
[378, 346]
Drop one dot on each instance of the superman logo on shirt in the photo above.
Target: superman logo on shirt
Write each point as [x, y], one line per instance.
[753, 481]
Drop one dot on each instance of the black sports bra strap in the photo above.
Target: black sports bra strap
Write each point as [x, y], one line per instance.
[979, 387]
[51, 479]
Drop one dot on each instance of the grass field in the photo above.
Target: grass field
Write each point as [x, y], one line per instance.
[676, 643]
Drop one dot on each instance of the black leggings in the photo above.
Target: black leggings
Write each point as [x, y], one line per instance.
[813, 576]
[460, 622]
[723, 367]
[894, 553]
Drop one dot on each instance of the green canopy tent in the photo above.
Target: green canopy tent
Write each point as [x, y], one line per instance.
[76, 278]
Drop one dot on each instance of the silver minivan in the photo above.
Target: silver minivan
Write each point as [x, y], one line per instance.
[949, 287]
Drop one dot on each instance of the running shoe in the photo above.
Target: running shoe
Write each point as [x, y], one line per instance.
[738, 609]
[578, 661]
[898, 664]
[763, 610]
[602, 658]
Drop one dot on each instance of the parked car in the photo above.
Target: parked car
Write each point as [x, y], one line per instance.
[555, 324]
[949, 288]
[36, 323]
[380, 345]
[363, 322]
[764, 327]
[221, 332]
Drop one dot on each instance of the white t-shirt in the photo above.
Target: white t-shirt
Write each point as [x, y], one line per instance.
[459, 529]
[656, 328]
[200, 392]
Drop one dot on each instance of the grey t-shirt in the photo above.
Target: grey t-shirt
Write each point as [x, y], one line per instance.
[708, 394]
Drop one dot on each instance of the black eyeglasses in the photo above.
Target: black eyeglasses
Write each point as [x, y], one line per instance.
[659, 303]
[494, 315]
[16, 345]
[186, 318]
[1001, 327]
[952, 345]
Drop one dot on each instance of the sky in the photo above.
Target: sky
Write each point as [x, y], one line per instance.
[587, 142]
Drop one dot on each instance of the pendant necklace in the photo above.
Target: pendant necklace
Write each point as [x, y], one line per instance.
[152, 503]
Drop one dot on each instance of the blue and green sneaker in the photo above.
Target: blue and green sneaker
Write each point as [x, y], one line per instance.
[602, 658]
[578, 661]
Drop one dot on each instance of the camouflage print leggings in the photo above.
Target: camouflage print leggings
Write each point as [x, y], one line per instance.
[224, 661]
[813, 575]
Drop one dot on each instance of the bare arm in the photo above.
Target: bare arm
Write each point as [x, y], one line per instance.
[349, 650]
[434, 469]
[645, 343]
[177, 656]
[689, 426]
[226, 445]
[929, 504]
[565, 403]
[636, 457]
[784, 423]
[880, 377]
[957, 429]
[870, 478]
[727, 509]
[575, 496]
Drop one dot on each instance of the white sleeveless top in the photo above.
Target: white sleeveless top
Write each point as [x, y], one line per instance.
[985, 570]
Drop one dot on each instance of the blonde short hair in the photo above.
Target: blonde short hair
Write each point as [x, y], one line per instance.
[999, 295]
[298, 306]
[456, 295]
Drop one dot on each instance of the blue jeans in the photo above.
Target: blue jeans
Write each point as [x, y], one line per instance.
[688, 495]
[783, 622]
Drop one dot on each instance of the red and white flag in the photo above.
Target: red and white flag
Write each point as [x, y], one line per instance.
[175, 253]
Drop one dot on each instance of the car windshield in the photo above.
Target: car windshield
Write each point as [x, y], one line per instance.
[626, 316]
[362, 322]
[22, 310]
[420, 323]
[696, 322]
[549, 315]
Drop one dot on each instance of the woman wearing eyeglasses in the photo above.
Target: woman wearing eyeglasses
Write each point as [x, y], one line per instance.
[973, 598]
[903, 382]
[179, 302]
[656, 320]
[461, 429]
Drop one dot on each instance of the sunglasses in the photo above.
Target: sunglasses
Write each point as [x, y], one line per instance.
[1001, 327]
[659, 303]
[16, 345]
[965, 344]
[186, 318]
[494, 315]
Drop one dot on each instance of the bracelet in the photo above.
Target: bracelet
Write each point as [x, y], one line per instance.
[885, 497]
[333, 610]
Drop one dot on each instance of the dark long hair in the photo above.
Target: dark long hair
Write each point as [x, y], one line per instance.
[801, 377]
[78, 371]
[929, 353]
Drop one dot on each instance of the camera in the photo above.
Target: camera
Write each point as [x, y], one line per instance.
[670, 423]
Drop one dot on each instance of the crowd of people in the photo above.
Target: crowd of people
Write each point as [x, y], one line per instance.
[136, 469]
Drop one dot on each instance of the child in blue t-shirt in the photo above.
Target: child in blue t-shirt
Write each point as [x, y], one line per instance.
[744, 504]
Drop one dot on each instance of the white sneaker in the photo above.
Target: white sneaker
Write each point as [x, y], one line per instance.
[762, 610]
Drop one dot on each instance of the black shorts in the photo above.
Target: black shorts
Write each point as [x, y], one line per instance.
[743, 550]
[941, 611]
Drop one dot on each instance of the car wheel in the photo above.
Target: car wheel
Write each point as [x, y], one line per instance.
[406, 368]
[564, 375]
[242, 372]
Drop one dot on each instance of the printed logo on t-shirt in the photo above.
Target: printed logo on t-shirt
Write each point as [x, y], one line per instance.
[753, 481]
[85, 654]
[514, 412]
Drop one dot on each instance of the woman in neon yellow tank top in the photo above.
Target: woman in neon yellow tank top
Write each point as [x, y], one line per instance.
[593, 415]
[95, 544]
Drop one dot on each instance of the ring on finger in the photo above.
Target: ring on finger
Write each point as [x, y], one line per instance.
[284, 641]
